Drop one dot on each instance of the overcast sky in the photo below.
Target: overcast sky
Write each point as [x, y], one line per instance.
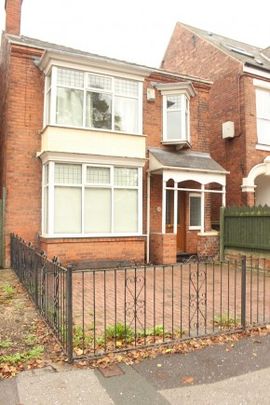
[139, 31]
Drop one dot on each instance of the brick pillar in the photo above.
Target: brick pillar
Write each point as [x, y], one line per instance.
[13, 16]
[250, 198]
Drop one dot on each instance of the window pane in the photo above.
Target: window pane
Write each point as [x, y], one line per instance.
[125, 177]
[99, 110]
[70, 78]
[68, 174]
[67, 210]
[174, 103]
[126, 211]
[45, 209]
[46, 174]
[126, 115]
[126, 88]
[99, 82]
[263, 104]
[48, 108]
[69, 107]
[195, 211]
[263, 131]
[97, 216]
[98, 175]
[174, 125]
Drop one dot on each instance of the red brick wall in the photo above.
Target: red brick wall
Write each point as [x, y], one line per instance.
[208, 245]
[84, 251]
[21, 123]
[163, 248]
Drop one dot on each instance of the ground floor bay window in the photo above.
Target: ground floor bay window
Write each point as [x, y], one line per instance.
[91, 200]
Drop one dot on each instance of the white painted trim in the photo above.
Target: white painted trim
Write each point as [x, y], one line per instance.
[257, 72]
[91, 159]
[53, 96]
[97, 235]
[148, 216]
[175, 208]
[261, 84]
[248, 184]
[50, 199]
[92, 63]
[176, 88]
[260, 146]
[163, 230]
[223, 196]
[202, 207]
[140, 200]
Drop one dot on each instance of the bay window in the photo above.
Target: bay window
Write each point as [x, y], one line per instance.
[88, 100]
[81, 199]
[175, 117]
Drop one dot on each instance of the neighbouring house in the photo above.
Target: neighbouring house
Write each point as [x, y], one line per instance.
[239, 106]
[102, 161]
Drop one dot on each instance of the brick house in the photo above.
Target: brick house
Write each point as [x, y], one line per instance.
[103, 161]
[239, 106]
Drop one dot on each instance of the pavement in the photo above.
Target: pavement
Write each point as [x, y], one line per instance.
[237, 374]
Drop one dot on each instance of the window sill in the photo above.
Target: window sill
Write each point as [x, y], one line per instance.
[194, 228]
[79, 238]
[179, 144]
[260, 146]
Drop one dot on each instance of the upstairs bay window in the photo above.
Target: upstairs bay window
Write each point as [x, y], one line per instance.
[86, 200]
[175, 118]
[87, 100]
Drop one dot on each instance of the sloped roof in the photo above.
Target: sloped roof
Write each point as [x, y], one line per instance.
[187, 160]
[245, 53]
[48, 46]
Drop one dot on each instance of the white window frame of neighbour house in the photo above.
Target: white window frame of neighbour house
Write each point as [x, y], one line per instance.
[183, 115]
[50, 185]
[263, 115]
[195, 195]
[126, 92]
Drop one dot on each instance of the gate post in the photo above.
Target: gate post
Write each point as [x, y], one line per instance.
[221, 234]
[243, 290]
[69, 315]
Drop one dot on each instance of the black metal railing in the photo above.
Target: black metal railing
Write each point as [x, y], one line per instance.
[46, 283]
[94, 312]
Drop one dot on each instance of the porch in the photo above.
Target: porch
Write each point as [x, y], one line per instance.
[186, 191]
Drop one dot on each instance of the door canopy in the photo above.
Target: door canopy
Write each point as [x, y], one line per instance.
[248, 184]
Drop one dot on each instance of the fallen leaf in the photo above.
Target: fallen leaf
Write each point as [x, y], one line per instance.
[187, 379]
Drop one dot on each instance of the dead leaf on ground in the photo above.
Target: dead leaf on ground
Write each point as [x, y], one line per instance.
[187, 379]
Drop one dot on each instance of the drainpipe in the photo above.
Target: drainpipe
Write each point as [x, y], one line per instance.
[148, 218]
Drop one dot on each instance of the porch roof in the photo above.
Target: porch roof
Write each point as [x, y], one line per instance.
[183, 160]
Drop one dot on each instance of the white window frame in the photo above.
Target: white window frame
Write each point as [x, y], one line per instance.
[185, 118]
[51, 191]
[261, 85]
[194, 195]
[85, 89]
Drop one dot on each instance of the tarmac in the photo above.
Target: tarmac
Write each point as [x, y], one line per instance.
[228, 374]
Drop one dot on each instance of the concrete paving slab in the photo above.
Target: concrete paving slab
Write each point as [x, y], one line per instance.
[9, 393]
[131, 388]
[248, 389]
[77, 387]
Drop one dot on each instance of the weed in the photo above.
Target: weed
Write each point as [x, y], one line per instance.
[8, 290]
[82, 337]
[223, 321]
[5, 344]
[33, 354]
[30, 340]
[119, 331]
